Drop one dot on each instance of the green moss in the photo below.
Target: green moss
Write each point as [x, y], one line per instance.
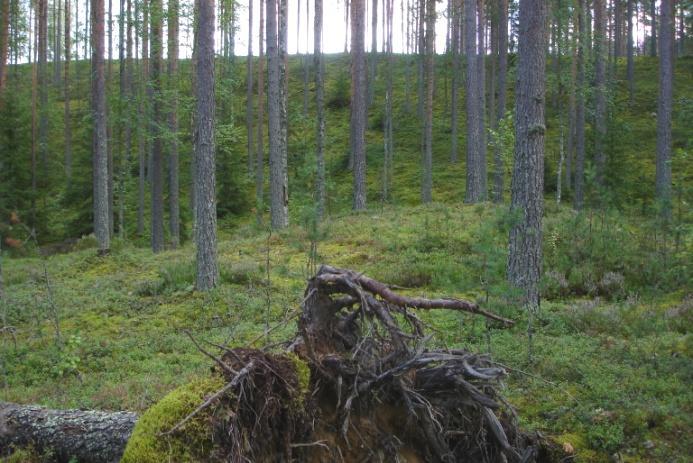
[303, 374]
[147, 445]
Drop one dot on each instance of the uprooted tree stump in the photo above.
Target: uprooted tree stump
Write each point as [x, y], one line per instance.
[357, 383]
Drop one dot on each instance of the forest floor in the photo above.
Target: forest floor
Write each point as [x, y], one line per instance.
[612, 364]
[611, 370]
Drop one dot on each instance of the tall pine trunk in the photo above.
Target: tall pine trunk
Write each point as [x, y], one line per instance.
[373, 58]
[630, 71]
[67, 127]
[173, 187]
[389, 133]
[43, 85]
[205, 198]
[664, 107]
[525, 254]
[455, 30]
[319, 109]
[130, 94]
[600, 50]
[499, 167]
[277, 156]
[476, 165]
[260, 155]
[427, 182]
[4, 42]
[481, 95]
[358, 102]
[250, 146]
[580, 110]
[653, 28]
[101, 209]
[157, 238]
[143, 117]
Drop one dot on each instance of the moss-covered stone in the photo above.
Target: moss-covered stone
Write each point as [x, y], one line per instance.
[148, 445]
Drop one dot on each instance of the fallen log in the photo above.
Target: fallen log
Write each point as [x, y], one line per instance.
[87, 436]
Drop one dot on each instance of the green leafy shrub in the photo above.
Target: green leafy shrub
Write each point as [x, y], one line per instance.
[608, 437]
[339, 95]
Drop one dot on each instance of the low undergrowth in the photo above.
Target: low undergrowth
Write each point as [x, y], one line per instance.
[611, 369]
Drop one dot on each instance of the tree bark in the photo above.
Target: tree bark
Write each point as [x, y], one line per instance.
[653, 28]
[389, 132]
[260, 155]
[664, 107]
[173, 187]
[250, 146]
[109, 119]
[155, 125]
[427, 182]
[456, 16]
[129, 95]
[570, 145]
[205, 198]
[67, 126]
[502, 78]
[373, 58]
[630, 71]
[143, 118]
[319, 109]
[358, 102]
[85, 435]
[476, 165]
[306, 62]
[4, 42]
[276, 111]
[101, 209]
[580, 110]
[600, 49]
[481, 94]
[618, 28]
[123, 120]
[43, 85]
[525, 253]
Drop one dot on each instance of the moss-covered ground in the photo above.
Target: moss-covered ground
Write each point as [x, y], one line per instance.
[611, 368]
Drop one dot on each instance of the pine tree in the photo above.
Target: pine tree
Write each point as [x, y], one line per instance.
[600, 50]
[101, 226]
[501, 104]
[155, 126]
[260, 155]
[319, 66]
[426, 184]
[630, 71]
[4, 43]
[206, 219]
[664, 106]
[250, 146]
[476, 160]
[67, 125]
[358, 102]
[525, 253]
[173, 187]
[455, 32]
[279, 189]
[580, 110]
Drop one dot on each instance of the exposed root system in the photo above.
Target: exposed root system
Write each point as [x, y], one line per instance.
[359, 384]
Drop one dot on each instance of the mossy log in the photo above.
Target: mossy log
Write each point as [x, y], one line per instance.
[88, 436]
